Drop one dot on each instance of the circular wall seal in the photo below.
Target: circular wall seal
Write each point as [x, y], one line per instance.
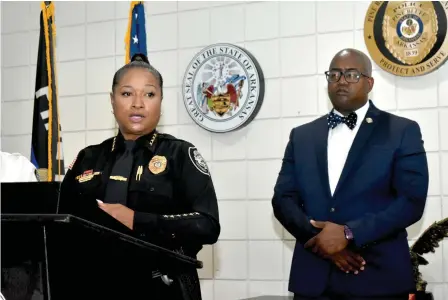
[407, 38]
[223, 88]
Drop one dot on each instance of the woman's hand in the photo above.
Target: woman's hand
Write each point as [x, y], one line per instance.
[120, 212]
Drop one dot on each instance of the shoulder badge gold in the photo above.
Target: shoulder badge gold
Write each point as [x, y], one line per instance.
[157, 164]
[407, 38]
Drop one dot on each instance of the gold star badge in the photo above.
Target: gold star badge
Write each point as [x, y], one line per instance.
[157, 164]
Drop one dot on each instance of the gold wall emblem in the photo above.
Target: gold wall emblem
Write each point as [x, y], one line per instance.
[157, 164]
[407, 38]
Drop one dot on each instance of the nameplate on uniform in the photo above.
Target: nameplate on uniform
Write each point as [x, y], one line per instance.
[118, 178]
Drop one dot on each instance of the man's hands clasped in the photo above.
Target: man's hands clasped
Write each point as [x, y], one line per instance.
[348, 261]
[331, 244]
[329, 241]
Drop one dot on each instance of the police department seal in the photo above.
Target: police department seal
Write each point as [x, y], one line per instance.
[198, 161]
[407, 38]
[223, 88]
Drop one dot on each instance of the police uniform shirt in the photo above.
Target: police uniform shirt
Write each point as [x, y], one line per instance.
[168, 186]
[117, 190]
[15, 167]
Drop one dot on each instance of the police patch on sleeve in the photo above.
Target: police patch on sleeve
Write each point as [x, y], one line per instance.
[198, 161]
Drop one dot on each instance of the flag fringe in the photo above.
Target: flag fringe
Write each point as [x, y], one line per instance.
[59, 155]
[47, 12]
[127, 38]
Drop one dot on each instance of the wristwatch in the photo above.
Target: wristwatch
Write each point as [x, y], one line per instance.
[348, 233]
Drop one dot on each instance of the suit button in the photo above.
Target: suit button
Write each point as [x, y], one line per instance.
[151, 189]
[332, 209]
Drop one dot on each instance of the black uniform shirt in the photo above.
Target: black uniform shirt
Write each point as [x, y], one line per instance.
[169, 188]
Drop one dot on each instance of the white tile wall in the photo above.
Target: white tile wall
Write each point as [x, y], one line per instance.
[294, 43]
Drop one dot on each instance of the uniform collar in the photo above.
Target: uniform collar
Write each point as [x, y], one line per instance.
[145, 141]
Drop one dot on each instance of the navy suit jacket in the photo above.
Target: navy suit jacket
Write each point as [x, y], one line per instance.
[382, 190]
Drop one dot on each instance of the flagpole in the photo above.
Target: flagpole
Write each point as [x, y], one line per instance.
[46, 138]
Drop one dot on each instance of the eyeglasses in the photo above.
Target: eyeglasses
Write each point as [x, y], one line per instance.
[351, 76]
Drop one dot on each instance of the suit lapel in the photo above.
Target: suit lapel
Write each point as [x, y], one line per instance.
[321, 134]
[360, 140]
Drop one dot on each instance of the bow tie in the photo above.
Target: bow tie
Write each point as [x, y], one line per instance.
[334, 120]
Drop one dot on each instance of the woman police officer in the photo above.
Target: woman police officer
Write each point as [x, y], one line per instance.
[155, 184]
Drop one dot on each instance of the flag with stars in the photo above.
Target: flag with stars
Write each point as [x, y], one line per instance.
[46, 140]
[135, 39]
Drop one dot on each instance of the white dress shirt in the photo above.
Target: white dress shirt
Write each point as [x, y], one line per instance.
[340, 140]
[15, 167]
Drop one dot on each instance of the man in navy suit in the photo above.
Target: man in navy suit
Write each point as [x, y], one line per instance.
[351, 182]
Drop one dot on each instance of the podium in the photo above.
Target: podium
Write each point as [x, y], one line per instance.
[61, 256]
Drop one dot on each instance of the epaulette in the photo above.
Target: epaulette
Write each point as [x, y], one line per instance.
[167, 136]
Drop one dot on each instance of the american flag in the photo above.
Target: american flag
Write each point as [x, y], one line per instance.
[135, 39]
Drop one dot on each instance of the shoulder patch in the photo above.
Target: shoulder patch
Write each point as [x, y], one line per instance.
[198, 161]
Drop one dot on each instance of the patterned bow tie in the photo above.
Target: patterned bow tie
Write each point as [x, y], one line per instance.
[334, 120]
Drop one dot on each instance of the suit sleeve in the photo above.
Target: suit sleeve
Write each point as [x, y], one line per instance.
[200, 225]
[286, 201]
[410, 184]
